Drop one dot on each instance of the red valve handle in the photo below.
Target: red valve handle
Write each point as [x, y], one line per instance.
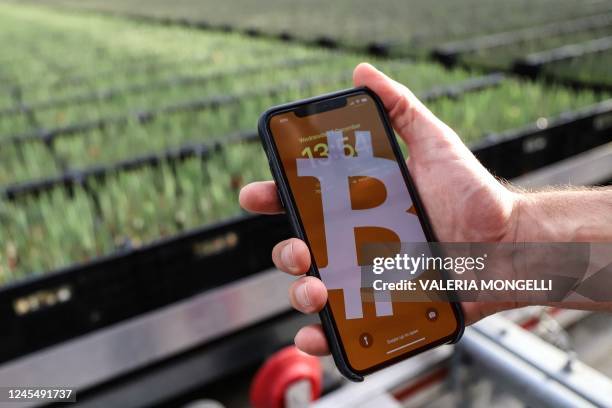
[279, 372]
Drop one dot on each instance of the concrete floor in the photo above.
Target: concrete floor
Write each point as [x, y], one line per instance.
[591, 339]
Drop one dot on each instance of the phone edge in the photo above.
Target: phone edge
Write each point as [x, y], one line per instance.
[325, 315]
[327, 324]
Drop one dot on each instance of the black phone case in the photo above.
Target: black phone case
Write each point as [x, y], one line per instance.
[286, 199]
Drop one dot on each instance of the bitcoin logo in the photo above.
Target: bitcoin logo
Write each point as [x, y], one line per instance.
[341, 220]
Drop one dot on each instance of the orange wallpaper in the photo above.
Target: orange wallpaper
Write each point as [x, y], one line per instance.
[372, 339]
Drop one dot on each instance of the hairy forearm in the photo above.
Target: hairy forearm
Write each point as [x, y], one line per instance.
[571, 215]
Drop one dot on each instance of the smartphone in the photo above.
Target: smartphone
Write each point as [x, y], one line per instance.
[344, 183]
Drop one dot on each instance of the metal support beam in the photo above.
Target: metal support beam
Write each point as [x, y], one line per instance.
[539, 373]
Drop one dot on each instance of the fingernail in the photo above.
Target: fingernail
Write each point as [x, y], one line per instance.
[301, 295]
[287, 256]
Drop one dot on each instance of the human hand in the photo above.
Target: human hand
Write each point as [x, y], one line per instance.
[465, 203]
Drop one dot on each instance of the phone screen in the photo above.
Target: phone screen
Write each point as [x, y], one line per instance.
[348, 189]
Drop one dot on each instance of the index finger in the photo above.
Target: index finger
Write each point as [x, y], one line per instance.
[261, 197]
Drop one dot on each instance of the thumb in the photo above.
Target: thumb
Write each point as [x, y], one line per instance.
[416, 125]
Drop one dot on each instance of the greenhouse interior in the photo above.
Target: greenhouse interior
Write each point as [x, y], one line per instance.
[130, 274]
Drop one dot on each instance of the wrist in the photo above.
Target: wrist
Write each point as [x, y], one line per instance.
[563, 216]
[528, 211]
[538, 220]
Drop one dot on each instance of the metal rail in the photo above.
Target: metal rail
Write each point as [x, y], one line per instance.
[107, 353]
[539, 373]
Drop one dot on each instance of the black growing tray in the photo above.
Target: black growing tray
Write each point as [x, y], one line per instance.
[449, 54]
[70, 178]
[514, 153]
[134, 281]
[532, 65]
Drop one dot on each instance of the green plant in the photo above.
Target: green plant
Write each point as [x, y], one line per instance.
[592, 68]
[61, 59]
[127, 209]
[412, 26]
